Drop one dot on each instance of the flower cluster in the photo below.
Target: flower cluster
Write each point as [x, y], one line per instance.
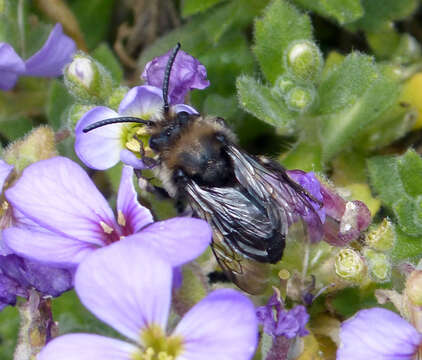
[222, 326]
[49, 61]
[19, 275]
[104, 147]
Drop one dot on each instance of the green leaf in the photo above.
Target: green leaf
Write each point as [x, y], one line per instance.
[406, 247]
[379, 12]
[191, 7]
[94, 18]
[351, 97]
[280, 25]
[16, 127]
[106, 57]
[258, 100]
[385, 179]
[410, 171]
[397, 181]
[58, 101]
[343, 11]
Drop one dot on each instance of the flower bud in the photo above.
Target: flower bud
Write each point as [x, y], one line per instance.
[38, 145]
[379, 265]
[382, 236]
[414, 287]
[87, 80]
[75, 112]
[282, 85]
[304, 60]
[117, 96]
[349, 265]
[300, 98]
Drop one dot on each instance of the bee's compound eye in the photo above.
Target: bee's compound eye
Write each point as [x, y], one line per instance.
[183, 118]
[221, 138]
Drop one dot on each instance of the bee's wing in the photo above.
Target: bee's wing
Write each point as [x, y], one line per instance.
[242, 233]
[269, 184]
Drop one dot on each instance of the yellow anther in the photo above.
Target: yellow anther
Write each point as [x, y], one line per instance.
[284, 274]
[121, 218]
[5, 205]
[133, 145]
[141, 131]
[164, 356]
[106, 228]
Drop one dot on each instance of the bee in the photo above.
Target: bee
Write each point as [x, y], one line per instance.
[247, 200]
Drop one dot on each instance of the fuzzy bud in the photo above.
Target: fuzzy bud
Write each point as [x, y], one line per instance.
[304, 60]
[382, 236]
[349, 265]
[300, 98]
[117, 96]
[414, 287]
[75, 112]
[87, 80]
[282, 85]
[379, 265]
[38, 145]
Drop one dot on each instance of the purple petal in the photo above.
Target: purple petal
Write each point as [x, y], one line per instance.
[135, 215]
[127, 286]
[222, 326]
[100, 148]
[292, 323]
[378, 334]
[5, 170]
[179, 240]
[47, 247]
[145, 102]
[57, 194]
[50, 60]
[129, 158]
[187, 73]
[11, 66]
[86, 347]
[29, 274]
[183, 107]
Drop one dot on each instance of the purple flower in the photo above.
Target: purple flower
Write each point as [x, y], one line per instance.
[342, 221]
[222, 326]
[313, 219]
[17, 275]
[49, 61]
[66, 218]
[104, 147]
[187, 73]
[378, 334]
[345, 219]
[279, 322]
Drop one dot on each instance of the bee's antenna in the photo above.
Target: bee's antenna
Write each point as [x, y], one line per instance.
[123, 119]
[166, 78]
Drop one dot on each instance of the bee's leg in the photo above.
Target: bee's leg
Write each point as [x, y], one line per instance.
[148, 161]
[145, 185]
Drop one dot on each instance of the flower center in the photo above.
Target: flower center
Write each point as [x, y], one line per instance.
[135, 138]
[157, 346]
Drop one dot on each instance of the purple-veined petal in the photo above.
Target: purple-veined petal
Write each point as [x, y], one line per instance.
[183, 107]
[377, 334]
[186, 74]
[129, 158]
[5, 170]
[144, 102]
[135, 215]
[11, 66]
[127, 286]
[58, 194]
[86, 347]
[100, 148]
[47, 247]
[222, 326]
[50, 60]
[30, 274]
[179, 240]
